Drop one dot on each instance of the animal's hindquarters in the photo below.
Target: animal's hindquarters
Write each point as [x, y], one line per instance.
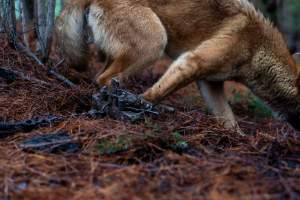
[70, 30]
[134, 36]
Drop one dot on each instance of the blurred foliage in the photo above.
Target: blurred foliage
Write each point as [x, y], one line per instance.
[286, 16]
[121, 143]
[177, 142]
[57, 9]
[250, 104]
[294, 6]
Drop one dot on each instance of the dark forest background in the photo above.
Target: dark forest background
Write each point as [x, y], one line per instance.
[286, 16]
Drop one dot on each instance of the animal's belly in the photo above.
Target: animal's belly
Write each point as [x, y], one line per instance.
[220, 77]
[179, 45]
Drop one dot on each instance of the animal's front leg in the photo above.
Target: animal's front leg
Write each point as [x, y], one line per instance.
[179, 74]
[215, 56]
[212, 60]
[186, 70]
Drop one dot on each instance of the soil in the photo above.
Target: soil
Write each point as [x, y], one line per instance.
[181, 155]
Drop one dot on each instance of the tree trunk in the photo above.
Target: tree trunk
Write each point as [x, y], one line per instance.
[40, 25]
[49, 28]
[9, 20]
[1, 16]
[25, 19]
[62, 3]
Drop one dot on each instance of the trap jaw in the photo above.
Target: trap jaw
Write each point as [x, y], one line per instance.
[121, 104]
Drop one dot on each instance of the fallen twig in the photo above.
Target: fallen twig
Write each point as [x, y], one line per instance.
[12, 75]
[21, 47]
[58, 64]
[50, 70]
[51, 143]
[8, 128]
[61, 78]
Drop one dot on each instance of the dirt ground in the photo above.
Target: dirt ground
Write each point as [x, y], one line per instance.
[181, 155]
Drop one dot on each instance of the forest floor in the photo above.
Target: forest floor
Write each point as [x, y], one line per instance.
[181, 155]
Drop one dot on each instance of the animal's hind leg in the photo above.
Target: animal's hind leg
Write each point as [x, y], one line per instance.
[117, 66]
[133, 39]
[214, 96]
[126, 65]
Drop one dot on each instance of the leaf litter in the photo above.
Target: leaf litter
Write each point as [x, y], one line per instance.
[180, 155]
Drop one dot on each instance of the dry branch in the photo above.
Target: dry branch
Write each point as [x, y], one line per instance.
[51, 71]
[11, 75]
[44, 28]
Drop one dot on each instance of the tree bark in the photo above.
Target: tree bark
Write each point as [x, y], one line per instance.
[40, 25]
[9, 20]
[49, 28]
[25, 19]
[45, 15]
[62, 3]
[1, 16]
